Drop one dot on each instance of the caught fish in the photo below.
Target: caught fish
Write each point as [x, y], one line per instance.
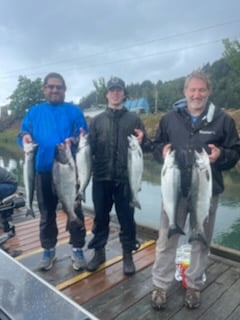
[171, 191]
[29, 175]
[84, 166]
[201, 193]
[65, 180]
[135, 169]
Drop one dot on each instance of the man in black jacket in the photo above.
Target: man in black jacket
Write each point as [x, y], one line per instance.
[108, 135]
[194, 124]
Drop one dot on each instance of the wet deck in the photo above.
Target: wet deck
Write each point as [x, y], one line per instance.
[108, 294]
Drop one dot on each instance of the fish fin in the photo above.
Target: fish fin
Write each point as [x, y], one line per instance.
[135, 204]
[198, 236]
[81, 196]
[175, 230]
[30, 212]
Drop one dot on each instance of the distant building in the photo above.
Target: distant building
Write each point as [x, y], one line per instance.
[93, 111]
[140, 105]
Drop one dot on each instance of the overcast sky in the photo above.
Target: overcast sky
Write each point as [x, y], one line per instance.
[136, 40]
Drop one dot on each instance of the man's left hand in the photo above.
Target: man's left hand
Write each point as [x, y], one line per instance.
[139, 134]
[215, 153]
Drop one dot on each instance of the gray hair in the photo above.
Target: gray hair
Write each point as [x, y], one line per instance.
[198, 74]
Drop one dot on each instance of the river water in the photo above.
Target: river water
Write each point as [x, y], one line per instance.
[227, 226]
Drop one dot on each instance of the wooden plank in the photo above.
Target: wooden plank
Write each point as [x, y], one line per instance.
[104, 280]
[225, 252]
[235, 315]
[136, 303]
[225, 305]
[209, 295]
[142, 310]
[27, 233]
[125, 294]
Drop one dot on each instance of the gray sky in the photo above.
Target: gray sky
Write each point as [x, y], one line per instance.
[136, 40]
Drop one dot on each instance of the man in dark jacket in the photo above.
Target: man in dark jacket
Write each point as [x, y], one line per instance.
[108, 135]
[194, 124]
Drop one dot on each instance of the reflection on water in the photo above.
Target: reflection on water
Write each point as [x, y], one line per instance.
[227, 227]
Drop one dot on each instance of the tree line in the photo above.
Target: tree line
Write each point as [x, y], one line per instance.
[224, 75]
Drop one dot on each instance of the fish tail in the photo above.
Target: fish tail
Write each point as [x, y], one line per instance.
[81, 196]
[76, 223]
[175, 230]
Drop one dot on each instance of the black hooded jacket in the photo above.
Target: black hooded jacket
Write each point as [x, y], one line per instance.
[108, 136]
[214, 126]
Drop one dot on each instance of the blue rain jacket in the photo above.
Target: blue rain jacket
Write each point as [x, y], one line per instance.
[50, 125]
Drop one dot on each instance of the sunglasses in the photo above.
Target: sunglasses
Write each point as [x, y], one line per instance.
[56, 86]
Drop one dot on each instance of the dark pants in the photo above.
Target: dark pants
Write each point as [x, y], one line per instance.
[6, 189]
[47, 203]
[105, 193]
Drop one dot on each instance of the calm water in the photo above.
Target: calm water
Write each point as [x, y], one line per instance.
[227, 227]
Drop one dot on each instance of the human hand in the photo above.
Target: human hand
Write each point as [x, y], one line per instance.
[82, 132]
[215, 153]
[27, 139]
[166, 149]
[68, 141]
[139, 134]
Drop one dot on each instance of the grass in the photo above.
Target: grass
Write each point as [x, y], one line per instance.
[8, 141]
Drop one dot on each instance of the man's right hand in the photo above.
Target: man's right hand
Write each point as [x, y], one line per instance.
[166, 149]
[27, 139]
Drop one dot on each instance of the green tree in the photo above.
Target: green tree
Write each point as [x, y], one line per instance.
[88, 101]
[26, 94]
[100, 86]
[232, 54]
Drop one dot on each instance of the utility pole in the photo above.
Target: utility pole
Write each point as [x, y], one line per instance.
[156, 100]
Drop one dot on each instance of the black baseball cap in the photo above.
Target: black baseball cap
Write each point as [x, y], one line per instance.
[116, 83]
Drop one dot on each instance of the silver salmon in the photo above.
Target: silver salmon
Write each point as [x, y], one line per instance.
[29, 175]
[135, 169]
[200, 193]
[84, 166]
[65, 180]
[171, 191]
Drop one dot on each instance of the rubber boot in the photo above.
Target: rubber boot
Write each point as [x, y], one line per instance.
[98, 258]
[128, 264]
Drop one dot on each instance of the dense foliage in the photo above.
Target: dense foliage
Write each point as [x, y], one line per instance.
[26, 94]
[224, 74]
[161, 96]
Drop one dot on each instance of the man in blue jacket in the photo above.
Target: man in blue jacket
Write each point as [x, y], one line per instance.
[48, 124]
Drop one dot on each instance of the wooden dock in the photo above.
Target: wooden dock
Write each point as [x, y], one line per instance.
[108, 294]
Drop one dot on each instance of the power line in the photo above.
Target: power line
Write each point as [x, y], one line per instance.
[12, 73]
[142, 57]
